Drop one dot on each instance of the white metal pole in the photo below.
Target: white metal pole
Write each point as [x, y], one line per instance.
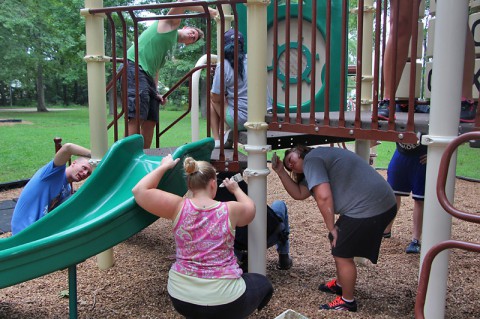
[257, 147]
[194, 120]
[227, 12]
[448, 58]
[195, 113]
[95, 58]
[362, 147]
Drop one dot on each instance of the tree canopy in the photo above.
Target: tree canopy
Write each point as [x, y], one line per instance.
[43, 46]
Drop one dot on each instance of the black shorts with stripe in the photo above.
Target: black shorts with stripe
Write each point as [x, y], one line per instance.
[361, 237]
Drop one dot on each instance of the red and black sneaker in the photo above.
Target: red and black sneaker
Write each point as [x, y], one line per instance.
[383, 110]
[468, 111]
[340, 304]
[331, 287]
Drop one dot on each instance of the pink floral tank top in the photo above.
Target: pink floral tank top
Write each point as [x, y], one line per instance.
[205, 243]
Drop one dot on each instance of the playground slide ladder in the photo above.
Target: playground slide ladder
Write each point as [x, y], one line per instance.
[449, 208]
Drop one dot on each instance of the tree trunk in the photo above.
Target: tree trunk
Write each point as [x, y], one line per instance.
[65, 94]
[111, 105]
[41, 107]
[75, 93]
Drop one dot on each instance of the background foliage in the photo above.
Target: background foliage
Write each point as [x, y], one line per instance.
[28, 146]
[43, 46]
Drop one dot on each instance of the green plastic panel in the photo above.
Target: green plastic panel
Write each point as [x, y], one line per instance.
[335, 47]
[101, 214]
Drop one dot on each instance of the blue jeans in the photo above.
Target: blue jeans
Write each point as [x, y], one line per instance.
[278, 236]
[282, 242]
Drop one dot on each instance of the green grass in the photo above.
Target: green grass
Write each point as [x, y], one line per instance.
[467, 159]
[27, 147]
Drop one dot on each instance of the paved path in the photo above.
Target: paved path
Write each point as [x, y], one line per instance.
[28, 109]
[6, 211]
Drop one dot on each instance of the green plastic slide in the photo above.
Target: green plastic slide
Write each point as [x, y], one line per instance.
[101, 214]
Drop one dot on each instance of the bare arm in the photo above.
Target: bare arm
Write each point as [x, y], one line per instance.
[241, 211]
[172, 24]
[159, 96]
[324, 198]
[215, 98]
[296, 191]
[156, 201]
[67, 151]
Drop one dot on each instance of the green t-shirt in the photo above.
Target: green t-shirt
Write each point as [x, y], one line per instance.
[153, 48]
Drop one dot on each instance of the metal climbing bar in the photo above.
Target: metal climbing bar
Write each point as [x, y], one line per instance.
[72, 291]
[309, 77]
[449, 208]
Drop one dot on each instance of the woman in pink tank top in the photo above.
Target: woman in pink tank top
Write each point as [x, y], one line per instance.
[205, 281]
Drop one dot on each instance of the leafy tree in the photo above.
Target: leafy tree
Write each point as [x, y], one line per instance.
[183, 60]
[43, 46]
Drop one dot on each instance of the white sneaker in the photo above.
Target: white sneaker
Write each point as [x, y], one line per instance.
[217, 143]
[228, 139]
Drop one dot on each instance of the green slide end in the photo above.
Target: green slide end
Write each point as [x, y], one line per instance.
[101, 214]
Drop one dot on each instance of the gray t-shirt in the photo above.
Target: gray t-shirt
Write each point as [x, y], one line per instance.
[358, 190]
[229, 90]
[242, 91]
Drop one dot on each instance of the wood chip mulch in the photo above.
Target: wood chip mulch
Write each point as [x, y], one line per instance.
[136, 286]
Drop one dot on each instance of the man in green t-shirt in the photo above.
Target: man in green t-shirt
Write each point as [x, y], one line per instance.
[154, 45]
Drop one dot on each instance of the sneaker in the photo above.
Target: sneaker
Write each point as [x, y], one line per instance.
[340, 304]
[422, 108]
[228, 139]
[383, 111]
[403, 108]
[217, 143]
[468, 111]
[284, 262]
[331, 287]
[418, 108]
[413, 247]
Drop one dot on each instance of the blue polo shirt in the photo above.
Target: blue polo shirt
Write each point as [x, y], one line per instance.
[45, 190]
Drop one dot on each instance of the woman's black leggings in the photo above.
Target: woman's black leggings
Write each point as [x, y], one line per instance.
[258, 292]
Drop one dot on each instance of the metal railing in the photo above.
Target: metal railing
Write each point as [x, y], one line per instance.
[303, 115]
[119, 74]
[452, 210]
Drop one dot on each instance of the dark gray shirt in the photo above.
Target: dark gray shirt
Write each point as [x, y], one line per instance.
[358, 190]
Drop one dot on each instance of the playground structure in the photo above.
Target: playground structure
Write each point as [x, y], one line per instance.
[430, 256]
[322, 123]
[309, 125]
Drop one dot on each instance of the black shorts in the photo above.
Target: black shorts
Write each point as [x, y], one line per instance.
[258, 292]
[361, 237]
[149, 105]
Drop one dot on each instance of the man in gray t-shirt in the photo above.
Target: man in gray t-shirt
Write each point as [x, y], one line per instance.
[357, 189]
[341, 183]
